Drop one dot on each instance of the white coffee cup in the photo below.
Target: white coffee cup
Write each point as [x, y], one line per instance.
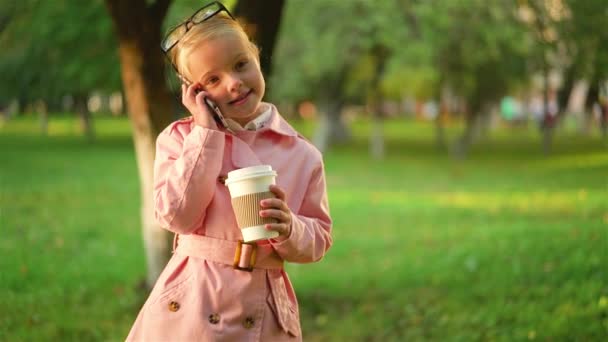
[248, 186]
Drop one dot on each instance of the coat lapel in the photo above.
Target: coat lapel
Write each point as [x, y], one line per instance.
[242, 154]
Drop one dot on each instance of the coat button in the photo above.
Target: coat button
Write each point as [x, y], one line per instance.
[222, 179]
[214, 318]
[249, 322]
[173, 306]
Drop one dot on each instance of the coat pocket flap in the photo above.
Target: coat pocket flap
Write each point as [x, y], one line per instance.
[284, 310]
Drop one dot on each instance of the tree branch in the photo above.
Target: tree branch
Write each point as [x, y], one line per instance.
[126, 15]
[159, 9]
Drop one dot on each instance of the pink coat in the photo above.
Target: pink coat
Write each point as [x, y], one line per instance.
[199, 296]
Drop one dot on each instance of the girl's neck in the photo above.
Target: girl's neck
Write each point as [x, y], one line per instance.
[244, 121]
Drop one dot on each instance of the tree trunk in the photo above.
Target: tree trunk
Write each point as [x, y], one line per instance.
[564, 93]
[13, 109]
[262, 20]
[576, 102]
[440, 139]
[604, 121]
[138, 28]
[548, 122]
[43, 116]
[590, 101]
[461, 147]
[331, 128]
[375, 100]
[376, 143]
[84, 116]
[444, 109]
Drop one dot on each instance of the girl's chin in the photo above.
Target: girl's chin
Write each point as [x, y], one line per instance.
[247, 111]
[244, 118]
[250, 111]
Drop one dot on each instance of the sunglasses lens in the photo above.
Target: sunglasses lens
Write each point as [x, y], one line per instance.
[201, 15]
[205, 13]
[173, 37]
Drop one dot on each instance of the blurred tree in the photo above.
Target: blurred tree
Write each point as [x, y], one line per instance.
[389, 25]
[480, 52]
[315, 53]
[137, 24]
[572, 39]
[541, 21]
[412, 72]
[262, 20]
[584, 37]
[394, 48]
[45, 59]
[321, 56]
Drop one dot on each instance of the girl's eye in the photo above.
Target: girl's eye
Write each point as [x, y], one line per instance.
[212, 80]
[241, 65]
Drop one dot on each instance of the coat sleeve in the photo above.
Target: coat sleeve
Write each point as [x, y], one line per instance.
[186, 168]
[310, 236]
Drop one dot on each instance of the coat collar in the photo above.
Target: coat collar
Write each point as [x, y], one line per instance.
[277, 124]
[252, 125]
[242, 154]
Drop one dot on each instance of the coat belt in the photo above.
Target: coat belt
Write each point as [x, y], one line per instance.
[242, 256]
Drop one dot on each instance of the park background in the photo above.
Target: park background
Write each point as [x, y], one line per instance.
[465, 149]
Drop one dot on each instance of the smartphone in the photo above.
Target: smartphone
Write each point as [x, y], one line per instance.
[217, 114]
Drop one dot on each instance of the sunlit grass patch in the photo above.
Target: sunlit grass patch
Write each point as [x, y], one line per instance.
[550, 202]
[560, 163]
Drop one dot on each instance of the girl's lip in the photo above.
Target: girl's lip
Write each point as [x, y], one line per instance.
[241, 99]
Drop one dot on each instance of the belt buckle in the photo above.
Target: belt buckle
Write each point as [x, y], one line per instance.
[252, 258]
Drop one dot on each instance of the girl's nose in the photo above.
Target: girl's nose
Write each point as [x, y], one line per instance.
[234, 83]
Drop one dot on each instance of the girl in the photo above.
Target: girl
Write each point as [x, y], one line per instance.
[214, 287]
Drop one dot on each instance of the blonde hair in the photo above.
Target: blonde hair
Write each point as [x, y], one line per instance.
[218, 26]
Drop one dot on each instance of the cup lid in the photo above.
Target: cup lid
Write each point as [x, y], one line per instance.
[250, 172]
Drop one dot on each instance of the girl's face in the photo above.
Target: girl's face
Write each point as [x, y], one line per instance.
[231, 74]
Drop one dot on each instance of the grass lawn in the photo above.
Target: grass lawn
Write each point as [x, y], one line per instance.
[507, 245]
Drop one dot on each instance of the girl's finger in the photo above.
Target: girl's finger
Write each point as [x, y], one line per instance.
[192, 90]
[275, 203]
[200, 98]
[277, 191]
[281, 228]
[275, 213]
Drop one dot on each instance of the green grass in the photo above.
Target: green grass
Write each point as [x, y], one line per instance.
[507, 245]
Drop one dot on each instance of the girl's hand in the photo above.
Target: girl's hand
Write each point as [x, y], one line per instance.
[195, 103]
[277, 209]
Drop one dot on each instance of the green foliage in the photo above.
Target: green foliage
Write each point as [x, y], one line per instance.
[585, 37]
[570, 36]
[507, 246]
[480, 51]
[56, 48]
[319, 50]
[183, 9]
[421, 82]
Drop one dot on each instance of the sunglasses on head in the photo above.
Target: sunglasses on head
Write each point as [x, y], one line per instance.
[204, 13]
[176, 33]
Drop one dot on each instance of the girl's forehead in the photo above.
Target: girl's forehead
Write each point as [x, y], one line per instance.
[216, 54]
[218, 49]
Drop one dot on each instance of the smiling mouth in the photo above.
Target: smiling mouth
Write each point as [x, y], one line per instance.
[241, 99]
